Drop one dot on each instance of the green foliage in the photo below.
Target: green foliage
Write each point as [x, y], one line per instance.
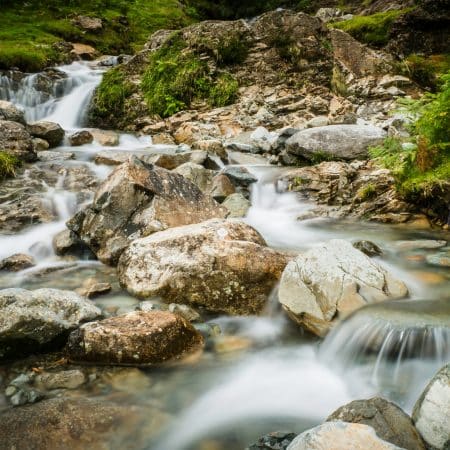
[28, 29]
[373, 29]
[426, 71]
[422, 165]
[110, 95]
[176, 77]
[8, 165]
[232, 50]
[367, 192]
[320, 156]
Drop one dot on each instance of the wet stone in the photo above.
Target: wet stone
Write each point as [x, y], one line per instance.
[369, 248]
[17, 262]
[278, 440]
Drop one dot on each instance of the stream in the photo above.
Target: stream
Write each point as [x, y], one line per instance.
[263, 373]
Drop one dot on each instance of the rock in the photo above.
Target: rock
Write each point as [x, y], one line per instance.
[88, 23]
[83, 51]
[136, 338]
[237, 205]
[17, 262]
[319, 121]
[239, 176]
[389, 421]
[328, 14]
[66, 379]
[345, 142]
[49, 131]
[67, 242]
[48, 156]
[80, 138]
[221, 187]
[331, 280]
[257, 141]
[368, 248]
[163, 139]
[185, 311]
[278, 440]
[136, 200]
[222, 265]
[431, 414]
[196, 173]
[8, 111]
[106, 138]
[441, 259]
[339, 436]
[213, 146]
[29, 319]
[15, 140]
[92, 288]
[76, 423]
[40, 145]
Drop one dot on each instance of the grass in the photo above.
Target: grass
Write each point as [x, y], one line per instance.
[8, 165]
[176, 77]
[427, 71]
[29, 29]
[374, 29]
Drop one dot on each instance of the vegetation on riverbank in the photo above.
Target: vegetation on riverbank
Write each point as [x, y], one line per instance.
[8, 165]
[422, 167]
[29, 31]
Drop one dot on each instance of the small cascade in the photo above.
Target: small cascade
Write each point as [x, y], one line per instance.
[395, 346]
[61, 97]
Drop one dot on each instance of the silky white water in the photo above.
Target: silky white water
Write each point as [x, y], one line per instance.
[280, 375]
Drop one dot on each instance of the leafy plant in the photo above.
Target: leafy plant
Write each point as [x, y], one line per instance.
[8, 165]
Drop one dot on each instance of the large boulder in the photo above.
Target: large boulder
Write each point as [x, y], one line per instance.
[30, 319]
[340, 436]
[78, 424]
[331, 280]
[136, 200]
[431, 413]
[136, 338]
[49, 131]
[16, 141]
[343, 142]
[222, 265]
[9, 111]
[389, 421]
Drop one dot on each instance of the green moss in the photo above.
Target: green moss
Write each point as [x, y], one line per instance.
[111, 94]
[367, 192]
[232, 50]
[176, 77]
[373, 29]
[8, 165]
[427, 71]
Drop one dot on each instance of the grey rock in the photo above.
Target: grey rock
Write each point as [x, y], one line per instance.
[389, 421]
[47, 156]
[196, 173]
[66, 379]
[66, 242]
[8, 111]
[17, 262]
[237, 205]
[49, 131]
[29, 319]
[80, 138]
[278, 440]
[344, 142]
[331, 280]
[136, 200]
[223, 265]
[239, 176]
[431, 413]
[15, 140]
[368, 248]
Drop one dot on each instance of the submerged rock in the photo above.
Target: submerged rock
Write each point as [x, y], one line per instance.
[77, 424]
[340, 436]
[345, 142]
[431, 413]
[389, 421]
[328, 282]
[136, 338]
[30, 319]
[136, 200]
[222, 265]
[49, 131]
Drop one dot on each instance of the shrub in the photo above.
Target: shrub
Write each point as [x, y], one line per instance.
[8, 165]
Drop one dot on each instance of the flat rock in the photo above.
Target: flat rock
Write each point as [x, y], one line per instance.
[340, 436]
[138, 199]
[343, 142]
[431, 413]
[29, 319]
[389, 421]
[136, 338]
[331, 280]
[223, 265]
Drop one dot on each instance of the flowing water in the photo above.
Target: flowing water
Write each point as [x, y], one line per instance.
[262, 373]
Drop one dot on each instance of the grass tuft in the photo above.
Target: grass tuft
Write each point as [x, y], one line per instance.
[8, 165]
